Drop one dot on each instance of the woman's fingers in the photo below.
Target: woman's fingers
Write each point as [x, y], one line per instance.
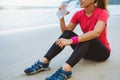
[60, 43]
[67, 12]
[62, 7]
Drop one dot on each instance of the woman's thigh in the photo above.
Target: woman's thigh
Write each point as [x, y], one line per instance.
[97, 51]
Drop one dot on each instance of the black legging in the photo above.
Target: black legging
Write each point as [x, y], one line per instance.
[92, 49]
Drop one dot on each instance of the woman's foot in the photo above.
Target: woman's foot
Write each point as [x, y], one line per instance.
[37, 67]
[60, 75]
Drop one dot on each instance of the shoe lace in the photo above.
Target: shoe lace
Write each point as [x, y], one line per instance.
[62, 77]
[55, 75]
[36, 65]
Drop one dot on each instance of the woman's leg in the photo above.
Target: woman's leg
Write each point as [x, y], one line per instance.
[92, 49]
[79, 50]
[52, 52]
[55, 49]
[65, 72]
[97, 51]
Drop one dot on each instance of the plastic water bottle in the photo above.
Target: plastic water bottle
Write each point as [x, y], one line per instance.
[61, 13]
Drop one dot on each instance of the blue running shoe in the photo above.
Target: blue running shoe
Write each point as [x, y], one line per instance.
[60, 75]
[37, 67]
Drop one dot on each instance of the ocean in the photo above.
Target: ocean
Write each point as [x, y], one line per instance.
[28, 17]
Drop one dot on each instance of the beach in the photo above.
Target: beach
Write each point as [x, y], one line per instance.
[21, 47]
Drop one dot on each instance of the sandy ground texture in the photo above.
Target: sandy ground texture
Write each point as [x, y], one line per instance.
[21, 48]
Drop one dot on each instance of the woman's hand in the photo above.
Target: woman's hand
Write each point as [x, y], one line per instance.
[63, 42]
[63, 7]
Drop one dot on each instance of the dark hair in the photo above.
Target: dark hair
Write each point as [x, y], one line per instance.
[102, 3]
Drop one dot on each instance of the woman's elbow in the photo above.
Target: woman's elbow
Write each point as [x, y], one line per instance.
[97, 34]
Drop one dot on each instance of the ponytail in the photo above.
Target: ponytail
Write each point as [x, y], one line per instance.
[101, 3]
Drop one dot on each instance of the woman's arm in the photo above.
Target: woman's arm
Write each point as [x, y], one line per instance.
[99, 27]
[64, 27]
[84, 37]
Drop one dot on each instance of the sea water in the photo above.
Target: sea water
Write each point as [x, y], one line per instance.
[37, 17]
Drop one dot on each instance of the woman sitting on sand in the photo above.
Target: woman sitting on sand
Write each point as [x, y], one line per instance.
[92, 44]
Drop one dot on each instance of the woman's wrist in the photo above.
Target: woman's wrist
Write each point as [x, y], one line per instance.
[74, 40]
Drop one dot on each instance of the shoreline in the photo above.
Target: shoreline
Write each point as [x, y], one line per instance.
[17, 19]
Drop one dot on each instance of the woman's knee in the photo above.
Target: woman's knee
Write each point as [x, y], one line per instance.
[68, 34]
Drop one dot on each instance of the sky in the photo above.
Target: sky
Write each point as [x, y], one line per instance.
[29, 2]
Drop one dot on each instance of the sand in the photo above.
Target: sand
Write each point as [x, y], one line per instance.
[21, 48]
